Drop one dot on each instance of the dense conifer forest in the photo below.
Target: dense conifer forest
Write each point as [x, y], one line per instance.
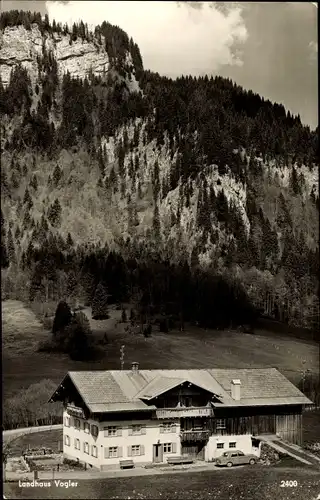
[202, 123]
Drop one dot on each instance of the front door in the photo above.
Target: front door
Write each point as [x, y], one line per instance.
[157, 453]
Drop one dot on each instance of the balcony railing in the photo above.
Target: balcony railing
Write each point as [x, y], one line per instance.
[194, 435]
[183, 412]
[75, 411]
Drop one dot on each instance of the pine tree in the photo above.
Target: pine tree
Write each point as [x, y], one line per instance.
[156, 180]
[26, 220]
[17, 233]
[294, 182]
[156, 223]
[27, 198]
[222, 207]
[62, 318]
[78, 337]
[69, 241]
[3, 243]
[54, 213]
[100, 303]
[123, 316]
[11, 248]
[34, 182]
[57, 175]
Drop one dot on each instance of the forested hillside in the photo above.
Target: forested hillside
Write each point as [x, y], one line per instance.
[190, 197]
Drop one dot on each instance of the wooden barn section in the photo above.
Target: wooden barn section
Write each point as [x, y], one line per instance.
[283, 420]
[261, 405]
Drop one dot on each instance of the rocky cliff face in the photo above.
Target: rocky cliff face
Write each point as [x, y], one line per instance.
[79, 57]
[192, 169]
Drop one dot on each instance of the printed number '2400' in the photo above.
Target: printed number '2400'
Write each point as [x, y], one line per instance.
[289, 484]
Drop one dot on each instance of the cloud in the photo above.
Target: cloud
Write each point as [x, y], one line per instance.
[174, 37]
[313, 48]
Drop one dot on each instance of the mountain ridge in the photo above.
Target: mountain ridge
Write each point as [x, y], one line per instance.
[191, 169]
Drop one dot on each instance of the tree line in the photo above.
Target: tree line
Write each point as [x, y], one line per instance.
[30, 407]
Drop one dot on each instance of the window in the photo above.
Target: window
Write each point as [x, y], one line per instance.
[86, 428]
[167, 448]
[67, 421]
[94, 451]
[77, 423]
[86, 448]
[168, 427]
[77, 444]
[112, 452]
[241, 454]
[135, 450]
[94, 430]
[136, 429]
[110, 431]
[232, 445]
[220, 446]
[221, 423]
[67, 440]
[234, 454]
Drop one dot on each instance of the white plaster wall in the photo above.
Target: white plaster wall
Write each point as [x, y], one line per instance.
[73, 433]
[151, 437]
[243, 443]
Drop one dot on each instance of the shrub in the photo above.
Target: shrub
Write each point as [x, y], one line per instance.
[73, 463]
[62, 317]
[49, 346]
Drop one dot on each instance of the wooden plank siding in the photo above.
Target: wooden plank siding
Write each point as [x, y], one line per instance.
[287, 422]
[289, 428]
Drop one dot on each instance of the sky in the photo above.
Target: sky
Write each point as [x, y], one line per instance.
[270, 48]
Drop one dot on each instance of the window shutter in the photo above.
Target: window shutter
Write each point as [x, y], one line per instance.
[130, 430]
[129, 451]
[119, 451]
[161, 429]
[174, 447]
[143, 429]
[141, 449]
[173, 428]
[119, 431]
[106, 453]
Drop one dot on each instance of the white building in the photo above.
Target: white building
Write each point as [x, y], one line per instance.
[149, 416]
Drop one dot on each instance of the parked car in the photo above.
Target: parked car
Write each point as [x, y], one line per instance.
[235, 457]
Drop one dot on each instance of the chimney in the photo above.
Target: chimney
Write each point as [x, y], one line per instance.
[135, 366]
[235, 389]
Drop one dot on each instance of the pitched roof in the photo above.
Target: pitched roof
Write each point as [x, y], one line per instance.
[114, 390]
[158, 386]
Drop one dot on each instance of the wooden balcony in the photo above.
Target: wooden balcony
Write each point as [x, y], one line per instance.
[183, 412]
[189, 436]
[75, 411]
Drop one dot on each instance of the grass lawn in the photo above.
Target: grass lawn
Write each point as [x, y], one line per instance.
[311, 426]
[194, 348]
[256, 483]
[46, 439]
[21, 329]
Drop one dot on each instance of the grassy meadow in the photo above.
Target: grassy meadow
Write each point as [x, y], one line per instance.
[46, 439]
[193, 348]
[245, 483]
